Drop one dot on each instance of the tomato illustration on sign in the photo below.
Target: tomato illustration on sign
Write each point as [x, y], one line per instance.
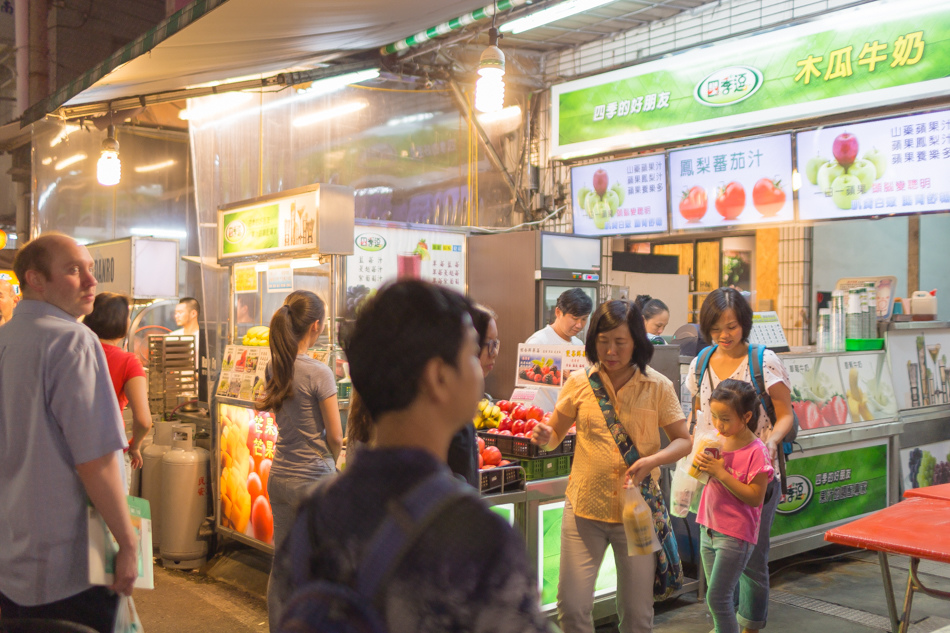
[693, 205]
[730, 201]
[768, 196]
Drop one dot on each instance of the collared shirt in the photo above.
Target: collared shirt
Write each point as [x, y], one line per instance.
[57, 409]
[643, 405]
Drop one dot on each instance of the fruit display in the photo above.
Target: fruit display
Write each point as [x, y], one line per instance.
[816, 397]
[489, 415]
[845, 178]
[247, 442]
[601, 203]
[540, 370]
[258, 336]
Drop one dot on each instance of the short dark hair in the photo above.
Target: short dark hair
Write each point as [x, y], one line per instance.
[36, 255]
[611, 315]
[396, 334]
[252, 303]
[650, 307]
[716, 303]
[192, 304]
[109, 318]
[481, 317]
[575, 302]
[741, 397]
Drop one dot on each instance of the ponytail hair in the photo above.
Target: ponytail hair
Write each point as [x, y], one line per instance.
[650, 307]
[288, 327]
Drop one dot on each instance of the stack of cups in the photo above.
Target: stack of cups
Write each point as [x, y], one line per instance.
[854, 327]
[870, 290]
[837, 321]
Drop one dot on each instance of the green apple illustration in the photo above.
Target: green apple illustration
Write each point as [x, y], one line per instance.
[582, 197]
[612, 200]
[812, 167]
[601, 213]
[879, 159]
[827, 174]
[618, 189]
[865, 171]
[844, 190]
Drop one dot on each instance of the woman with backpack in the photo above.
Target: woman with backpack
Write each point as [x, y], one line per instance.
[726, 319]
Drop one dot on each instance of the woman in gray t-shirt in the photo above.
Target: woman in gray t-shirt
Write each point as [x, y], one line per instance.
[301, 392]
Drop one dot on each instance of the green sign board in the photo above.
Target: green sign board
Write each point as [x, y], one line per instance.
[831, 487]
[877, 54]
[549, 557]
[251, 230]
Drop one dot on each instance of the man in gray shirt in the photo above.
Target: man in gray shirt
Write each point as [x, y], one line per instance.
[62, 442]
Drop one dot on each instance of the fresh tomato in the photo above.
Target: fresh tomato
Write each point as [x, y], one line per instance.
[505, 432]
[504, 405]
[481, 445]
[768, 197]
[534, 413]
[493, 431]
[529, 426]
[492, 456]
[518, 412]
[693, 204]
[262, 520]
[517, 427]
[505, 424]
[481, 462]
[730, 201]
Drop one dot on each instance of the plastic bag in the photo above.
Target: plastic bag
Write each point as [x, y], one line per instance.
[638, 523]
[682, 489]
[127, 618]
[710, 443]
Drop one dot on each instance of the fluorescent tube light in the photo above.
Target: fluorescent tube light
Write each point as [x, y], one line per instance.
[155, 166]
[329, 113]
[553, 14]
[72, 160]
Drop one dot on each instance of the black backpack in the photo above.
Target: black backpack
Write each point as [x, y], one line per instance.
[756, 356]
[323, 606]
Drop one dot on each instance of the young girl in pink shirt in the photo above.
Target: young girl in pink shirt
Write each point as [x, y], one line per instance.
[731, 506]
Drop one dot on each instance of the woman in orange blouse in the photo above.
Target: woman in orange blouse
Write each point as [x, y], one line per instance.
[619, 350]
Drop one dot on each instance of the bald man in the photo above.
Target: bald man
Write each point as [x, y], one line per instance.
[8, 301]
[62, 444]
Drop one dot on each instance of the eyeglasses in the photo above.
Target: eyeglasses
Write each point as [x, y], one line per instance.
[492, 346]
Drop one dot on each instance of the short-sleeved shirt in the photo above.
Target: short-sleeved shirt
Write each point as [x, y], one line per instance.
[644, 404]
[467, 571]
[123, 366]
[547, 336]
[301, 433]
[720, 510]
[773, 372]
[57, 409]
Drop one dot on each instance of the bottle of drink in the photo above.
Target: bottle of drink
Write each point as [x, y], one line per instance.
[711, 445]
[638, 525]
[824, 330]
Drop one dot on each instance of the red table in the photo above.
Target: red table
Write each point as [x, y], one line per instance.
[918, 527]
[941, 491]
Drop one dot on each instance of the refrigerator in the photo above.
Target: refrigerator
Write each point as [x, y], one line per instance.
[520, 275]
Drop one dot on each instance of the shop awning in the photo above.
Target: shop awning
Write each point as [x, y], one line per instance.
[219, 40]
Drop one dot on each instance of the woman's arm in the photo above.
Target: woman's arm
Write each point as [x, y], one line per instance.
[679, 446]
[136, 390]
[550, 436]
[751, 494]
[330, 409]
[782, 401]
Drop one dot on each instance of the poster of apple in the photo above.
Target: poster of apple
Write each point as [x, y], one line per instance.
[882, 167]
[620, 197]
[818, 397]
[731, 184]
[868, 388]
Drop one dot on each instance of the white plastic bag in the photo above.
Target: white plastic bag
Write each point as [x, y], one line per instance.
[127, 618]
[682, 489]
[638, 523]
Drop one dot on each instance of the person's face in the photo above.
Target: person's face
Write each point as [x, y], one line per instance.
[183, 316]
[71, 286]
[568, 323]
[615, 348]
[657, 324]
[490, 352]
[468, 378]
[8, 301]
[727, 420]
[727, 332]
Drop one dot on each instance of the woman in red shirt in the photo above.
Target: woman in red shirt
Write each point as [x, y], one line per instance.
[110, 320]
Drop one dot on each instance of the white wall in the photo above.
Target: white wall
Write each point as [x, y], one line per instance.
[860, 248]
[935, 259]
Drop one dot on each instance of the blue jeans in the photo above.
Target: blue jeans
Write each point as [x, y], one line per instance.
[753, 586]
[724, 559]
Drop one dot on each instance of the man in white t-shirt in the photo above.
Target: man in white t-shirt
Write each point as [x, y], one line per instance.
[186, 317]
[570, 316]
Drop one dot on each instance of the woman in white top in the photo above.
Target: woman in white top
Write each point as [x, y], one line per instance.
[726, 320]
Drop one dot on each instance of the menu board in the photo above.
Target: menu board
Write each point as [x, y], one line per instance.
[882, 167]
[818, 398]
[733, 184]
[868, 388]
[385, 254]
[548, 365]
[620, 197]
[243, 372]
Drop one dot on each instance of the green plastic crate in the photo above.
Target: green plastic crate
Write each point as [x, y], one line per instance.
[547, 467]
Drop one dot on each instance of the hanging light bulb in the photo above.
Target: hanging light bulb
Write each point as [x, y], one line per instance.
[109, 168]
[490, 87]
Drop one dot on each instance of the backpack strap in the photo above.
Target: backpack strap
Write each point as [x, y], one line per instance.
[756, 361]
[702, 364]
[405, 522]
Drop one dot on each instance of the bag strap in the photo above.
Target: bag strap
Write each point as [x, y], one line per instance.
[406, 520]
[624, 443]
[702, 364]
[756, 362]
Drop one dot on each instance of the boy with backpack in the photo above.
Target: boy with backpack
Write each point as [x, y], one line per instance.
[395, 543]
